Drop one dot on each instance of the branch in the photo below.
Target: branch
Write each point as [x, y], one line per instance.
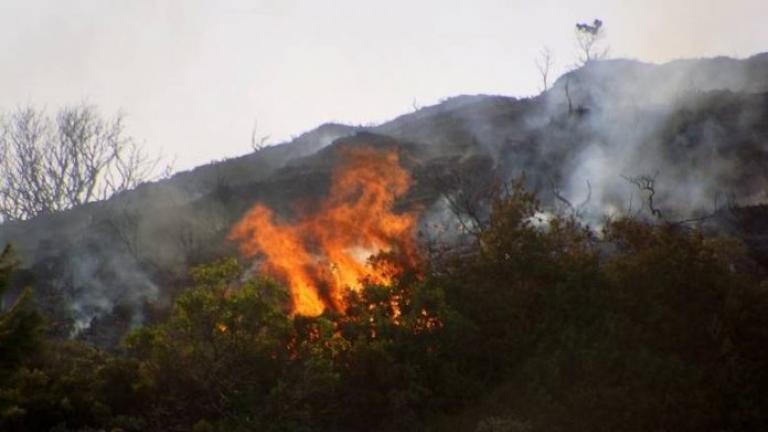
[646, 183]
[52, 164]
[544, 64]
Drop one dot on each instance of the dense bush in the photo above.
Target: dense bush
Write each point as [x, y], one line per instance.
[539, 327]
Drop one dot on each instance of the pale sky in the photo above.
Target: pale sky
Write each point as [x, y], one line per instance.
[193, 76]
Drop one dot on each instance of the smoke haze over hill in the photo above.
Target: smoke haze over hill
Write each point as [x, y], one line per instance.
[174, 66]
[697, 126]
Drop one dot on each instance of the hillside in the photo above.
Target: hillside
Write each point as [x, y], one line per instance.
[699, 127]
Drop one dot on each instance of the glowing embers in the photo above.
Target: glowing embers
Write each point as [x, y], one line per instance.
[326, 251]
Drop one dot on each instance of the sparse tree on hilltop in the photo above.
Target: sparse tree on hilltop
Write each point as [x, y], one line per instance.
[589, 38]
[544, 63]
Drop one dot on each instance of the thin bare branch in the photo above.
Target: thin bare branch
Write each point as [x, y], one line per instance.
[646, 183]
[51, 164]
[544, 63]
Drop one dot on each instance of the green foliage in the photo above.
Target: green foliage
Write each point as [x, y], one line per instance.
[46, 384]
[21, 328]
[221, 351]
[73, 386]
[543, 326]
[395, 368]
[632, 329]
[20, 324]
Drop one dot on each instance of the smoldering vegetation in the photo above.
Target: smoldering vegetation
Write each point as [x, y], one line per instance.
[697, 128]
[104, 261]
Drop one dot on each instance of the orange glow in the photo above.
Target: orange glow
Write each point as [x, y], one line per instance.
[323, 253]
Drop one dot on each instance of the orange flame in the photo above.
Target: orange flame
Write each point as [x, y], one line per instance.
[326, 252]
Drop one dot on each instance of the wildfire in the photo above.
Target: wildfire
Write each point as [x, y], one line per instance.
[323, 253]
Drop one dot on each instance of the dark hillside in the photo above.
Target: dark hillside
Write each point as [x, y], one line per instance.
[700, 127]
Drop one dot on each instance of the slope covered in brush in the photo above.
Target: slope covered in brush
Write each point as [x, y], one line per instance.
[697, 127]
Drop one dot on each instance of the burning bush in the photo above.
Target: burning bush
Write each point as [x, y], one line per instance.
[324, 252]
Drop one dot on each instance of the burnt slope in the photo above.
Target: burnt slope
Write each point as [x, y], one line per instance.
[699, 126]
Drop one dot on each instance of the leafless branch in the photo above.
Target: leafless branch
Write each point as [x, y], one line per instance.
[646, 183]
[52, 164]
[468, 197]
[258, 142]
[576, 210]
[544, 63]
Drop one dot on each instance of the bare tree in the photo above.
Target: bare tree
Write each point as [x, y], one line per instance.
[589, 38]
[258, 142]
[544, 63]
[467, 194]
[52, 164]
[124, 223]
[575, 210]
[647, 184]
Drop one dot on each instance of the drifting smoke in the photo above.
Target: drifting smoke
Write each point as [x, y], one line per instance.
[684, 124]
[698, 126]
[98, 284]
[327, 251]
[98, 266]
